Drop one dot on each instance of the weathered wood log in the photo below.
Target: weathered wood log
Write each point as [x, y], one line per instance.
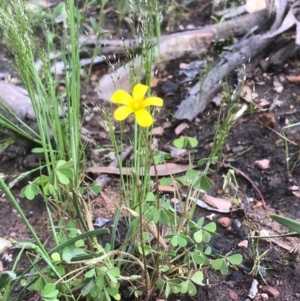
[192, 43]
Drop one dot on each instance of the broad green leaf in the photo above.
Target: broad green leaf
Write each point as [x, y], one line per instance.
[175, 287]
[70, 254]
[204, 182]
[101, 281]
[56, 257]
[180, 142]
[198, 236]
[62, 164]
[200, 222]
[112, 291]
[90, 273]
[211, 227]
[62, 178]
[79, 243]
[150, 197]
[235, 259]
[39, 284]
[165, 181]
[115, 271]
[49, 291]
[217, 263]
[184, 286]
[206, 236]
[192, 290]
[198, 278]
[201, 162]
[192, 142]
[198, 259]
[167, 290]
[224, 268]
[287, 222]
[86, 289]
[95, 188]
[192, 174]
[160, 283]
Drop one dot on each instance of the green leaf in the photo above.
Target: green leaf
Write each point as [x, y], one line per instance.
[62, 164]
[235, 259]
[70, 254]
[175, 287]
[198, 278]
[199, 259]
[198, 236]
[37, 150]
[184, 286]
[287, 222]
[167, 290]
[56, 257]
[203, 183]
[90, 273]
[86, 289]
[192, 290]
[200, 222]
[165, 181]
[79, 243]
[206, 236]
[178, 240]
[101, 282]
[217, 263]
[192, 142]
[201, 162]
[192, 174]
[211, 227]
[49, 291]
[95, 189]
[115, 271]
[39, 284]
[180, 142]
[224, 268]
[62, 178]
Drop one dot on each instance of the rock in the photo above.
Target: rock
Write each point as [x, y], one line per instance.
[271, 291]
[232, 295]
[243, 244]
[224, 221]
[262, 164]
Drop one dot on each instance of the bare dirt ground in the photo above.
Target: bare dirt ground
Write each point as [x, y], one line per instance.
[254, 137]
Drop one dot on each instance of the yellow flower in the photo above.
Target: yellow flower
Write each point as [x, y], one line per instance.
[135, 104]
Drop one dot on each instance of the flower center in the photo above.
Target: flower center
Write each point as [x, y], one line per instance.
[137, 104]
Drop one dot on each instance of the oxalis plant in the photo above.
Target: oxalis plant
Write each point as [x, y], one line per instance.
[165, 250]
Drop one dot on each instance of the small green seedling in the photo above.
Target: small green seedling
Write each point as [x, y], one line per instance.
[185, 142]
[221, 264]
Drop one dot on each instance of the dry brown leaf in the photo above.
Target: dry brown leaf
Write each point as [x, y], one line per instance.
[296, 194]
[219, 203]
[263, 103]
[293, 78]
[162, 169]
[181, 127]
[166, 188]
[246, 93]
[158, 131]
[252, 6]
[257, 205]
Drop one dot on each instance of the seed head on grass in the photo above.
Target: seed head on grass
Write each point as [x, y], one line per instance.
[135, 104]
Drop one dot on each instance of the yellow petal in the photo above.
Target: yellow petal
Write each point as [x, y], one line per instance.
[121, 97]
[143, 118]
[153, 101]
[122, 113]
[139, 92]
